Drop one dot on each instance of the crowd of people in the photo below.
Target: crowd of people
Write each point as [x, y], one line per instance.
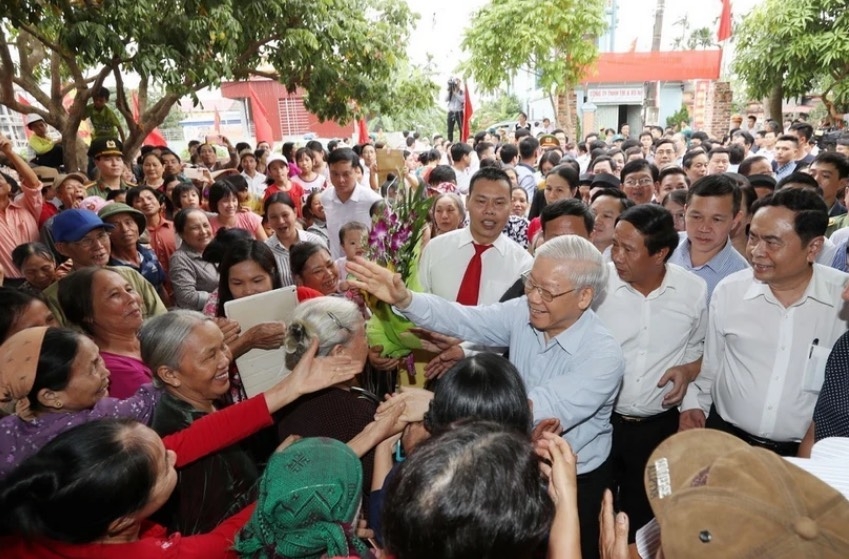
[621, 335]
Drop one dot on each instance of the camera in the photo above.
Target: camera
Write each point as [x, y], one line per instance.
[452, 82]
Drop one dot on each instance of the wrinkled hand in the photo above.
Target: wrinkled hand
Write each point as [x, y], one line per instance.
[434, 342]
[440, 364]
[379, 362]
[391, 423]
[680, 379]
[550, 425]
[268, 335]
[562, 473]
[230, 328]
[413, 401]
[613, 537]
[380, 282]
[316, 373]
[691, 419]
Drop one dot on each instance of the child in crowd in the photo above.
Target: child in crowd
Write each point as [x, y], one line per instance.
[353, 237]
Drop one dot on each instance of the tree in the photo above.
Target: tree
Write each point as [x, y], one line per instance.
[504, 106]
[555, 40]
[701, 38]
[785, 49]
[345, 54]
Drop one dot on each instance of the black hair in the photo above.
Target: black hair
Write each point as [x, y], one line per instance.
[601, 159]
[429, 156]
[481, 147]
[745, 167]
[340, 155]
[521, 133]
[490, 174]
[747, 137]
[528, 147]
[304, 152]
[567, 173]
[459, 151]
[569, 206]
[299, 253]
[279, 198]
[440, 174]
[178, 192]
[736, 154]
[134, 193]
[221, 190]
[224, 238]
[75, 296]
[836, 160]
[101, 93]
[672, 170]
[788, 138]
[98, 467]
[551, 156]
[306, 210]
[485, 386]
[113, 194]
[21, 253]
[474, 491]
[242, 250]
[239, 182]
[700, 135]
[656, 225]
[716, 186]
[718, 149]
[55, 361]
[687, 160]
[316, 147]
[242, 146]
[638, 165]
[287, 149]
[811, 219]
[13, 303]
[678, 196]
[802, 179]
[804, 129]
[509, 153]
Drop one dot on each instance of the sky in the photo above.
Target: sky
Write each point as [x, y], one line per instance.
[440, 28]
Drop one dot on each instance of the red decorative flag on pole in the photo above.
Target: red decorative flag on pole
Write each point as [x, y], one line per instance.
[262, 127]
[155, 137]
[724, 31]
[468, 111]
[362, 132]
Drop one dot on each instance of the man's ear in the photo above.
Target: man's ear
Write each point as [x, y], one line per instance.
[814, 248]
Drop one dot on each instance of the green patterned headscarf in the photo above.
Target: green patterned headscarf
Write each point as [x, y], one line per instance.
[308, 497]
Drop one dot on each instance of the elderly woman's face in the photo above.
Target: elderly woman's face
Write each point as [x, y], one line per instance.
[203, 376]
[88, 381]
[35, 314]
[320, 273]
[116, 305]
[357, 346]
[39, 270]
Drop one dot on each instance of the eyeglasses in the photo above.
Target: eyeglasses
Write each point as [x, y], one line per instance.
[642, 182]
[544, 294]
[89, 242]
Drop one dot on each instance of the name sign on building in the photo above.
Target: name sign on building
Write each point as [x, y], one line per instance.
[616, 95]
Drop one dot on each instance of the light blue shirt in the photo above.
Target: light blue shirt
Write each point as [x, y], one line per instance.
[574, 377]
[723, 264]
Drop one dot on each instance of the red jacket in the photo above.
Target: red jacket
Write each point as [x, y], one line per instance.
[207, 435]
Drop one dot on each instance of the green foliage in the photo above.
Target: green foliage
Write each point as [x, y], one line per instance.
[555, 39]
[505, 106]
[347, 55]
[795, 45]
[679, 117]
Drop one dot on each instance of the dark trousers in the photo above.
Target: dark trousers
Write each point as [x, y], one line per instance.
[591, 486]
[454, 117]
[54, 158]
[634, 439]
[715, 421]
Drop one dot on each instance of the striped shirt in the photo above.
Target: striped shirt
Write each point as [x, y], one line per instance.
[723, 264]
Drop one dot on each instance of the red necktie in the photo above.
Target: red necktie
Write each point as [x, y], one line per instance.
[471, 285]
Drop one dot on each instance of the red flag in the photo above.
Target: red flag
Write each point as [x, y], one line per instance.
[724, 31]
[155, 137]
[262, 128]
[217, 122]
[362, 132]
[468, 111]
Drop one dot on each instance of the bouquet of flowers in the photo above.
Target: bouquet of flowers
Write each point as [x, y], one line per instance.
[395, 243]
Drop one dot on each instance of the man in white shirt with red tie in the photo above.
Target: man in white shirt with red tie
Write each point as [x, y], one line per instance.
[475, 265]
[770, 330]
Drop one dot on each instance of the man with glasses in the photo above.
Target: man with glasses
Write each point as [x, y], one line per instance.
[83, 238]
[639, 181]
[570, 363]
[664, 153]
[662, 339]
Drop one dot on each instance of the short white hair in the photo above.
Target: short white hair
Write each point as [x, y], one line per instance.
[584, 263]
[332, 320]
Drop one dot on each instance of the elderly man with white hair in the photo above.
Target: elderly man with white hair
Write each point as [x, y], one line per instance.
[571, 364]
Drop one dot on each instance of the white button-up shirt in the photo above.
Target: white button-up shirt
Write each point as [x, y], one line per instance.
[338, 213]
[256, 184]
[757, 352]
[446, 257]
[657, 332]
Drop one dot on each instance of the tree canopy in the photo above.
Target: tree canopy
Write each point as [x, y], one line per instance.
[789, 49]
[555, 40]
[345, 54]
